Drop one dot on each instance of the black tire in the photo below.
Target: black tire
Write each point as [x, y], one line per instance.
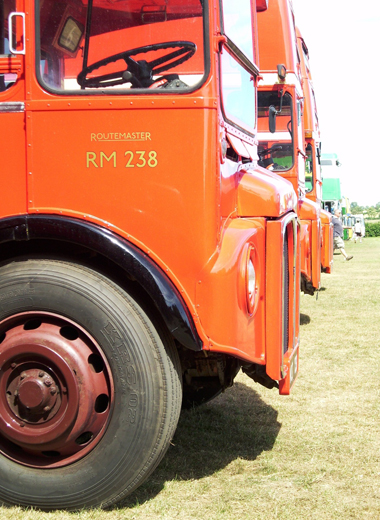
[141, 365]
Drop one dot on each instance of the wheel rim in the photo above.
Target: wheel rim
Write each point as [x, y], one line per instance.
[56, 390]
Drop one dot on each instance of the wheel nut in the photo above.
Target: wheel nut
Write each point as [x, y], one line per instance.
[48, 382]
[41, 374]
[23, 375]
[13, 365]
[47, 409]
[53, 390]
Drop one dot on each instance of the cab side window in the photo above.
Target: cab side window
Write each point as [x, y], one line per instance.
[238, 70]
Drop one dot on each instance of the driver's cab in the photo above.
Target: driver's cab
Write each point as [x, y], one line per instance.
[116, 88]
[99, 44]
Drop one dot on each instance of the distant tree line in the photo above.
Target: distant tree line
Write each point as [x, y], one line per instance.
[369, 212]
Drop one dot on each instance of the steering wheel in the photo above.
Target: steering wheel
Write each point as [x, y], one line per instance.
[138, 73]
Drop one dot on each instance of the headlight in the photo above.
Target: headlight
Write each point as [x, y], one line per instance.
[251, 280]
[251, 284]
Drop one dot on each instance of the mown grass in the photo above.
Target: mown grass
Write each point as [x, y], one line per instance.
[251, 454]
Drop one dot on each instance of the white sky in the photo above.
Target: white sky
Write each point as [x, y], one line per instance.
[343, 38]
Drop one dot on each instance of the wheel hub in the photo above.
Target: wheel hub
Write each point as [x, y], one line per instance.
[33, 396]
[55, 390]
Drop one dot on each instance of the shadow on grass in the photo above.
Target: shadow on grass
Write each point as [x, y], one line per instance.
[238, 424]
[304, 319]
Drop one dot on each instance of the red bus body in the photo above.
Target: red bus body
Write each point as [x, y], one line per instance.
[284, 150]
[313, 152]
[145, 255]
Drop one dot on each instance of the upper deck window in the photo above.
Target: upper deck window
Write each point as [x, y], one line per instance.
[92, 46]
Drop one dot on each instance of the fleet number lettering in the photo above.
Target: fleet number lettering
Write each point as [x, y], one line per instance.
[138, 159]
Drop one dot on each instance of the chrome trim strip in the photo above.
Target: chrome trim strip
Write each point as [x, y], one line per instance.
[12, 106]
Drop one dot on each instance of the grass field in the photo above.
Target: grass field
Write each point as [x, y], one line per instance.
[251, 454]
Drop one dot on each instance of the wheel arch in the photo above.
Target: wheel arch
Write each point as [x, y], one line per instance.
[113, 255]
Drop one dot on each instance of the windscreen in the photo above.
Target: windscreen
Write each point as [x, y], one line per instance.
[276, 150]
[309, 168]
[99, 45]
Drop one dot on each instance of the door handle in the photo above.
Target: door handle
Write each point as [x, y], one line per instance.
[11, 16]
